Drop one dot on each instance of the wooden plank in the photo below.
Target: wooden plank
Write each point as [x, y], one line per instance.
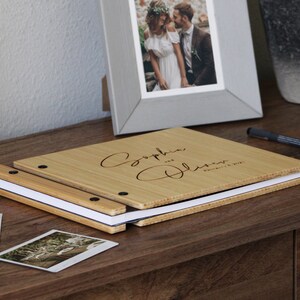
[65, 193]
[259, 270]
[61, 191]
[141, 250]
[297, 264]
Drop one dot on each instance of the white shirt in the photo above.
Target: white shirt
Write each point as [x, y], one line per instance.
[187, 45]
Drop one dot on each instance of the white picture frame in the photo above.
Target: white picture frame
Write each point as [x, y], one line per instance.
[235, 96]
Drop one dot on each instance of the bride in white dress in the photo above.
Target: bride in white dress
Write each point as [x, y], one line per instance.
[163, 45]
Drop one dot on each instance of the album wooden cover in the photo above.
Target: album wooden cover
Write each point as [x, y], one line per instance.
[160, 168]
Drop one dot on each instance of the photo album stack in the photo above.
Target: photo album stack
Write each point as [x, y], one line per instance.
[146, 179]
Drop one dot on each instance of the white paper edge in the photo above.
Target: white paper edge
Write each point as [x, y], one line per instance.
[138, 214]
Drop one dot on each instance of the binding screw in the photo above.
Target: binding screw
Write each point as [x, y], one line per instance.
[42, 167]
[123, 193]
[94, 199]
[13, 172]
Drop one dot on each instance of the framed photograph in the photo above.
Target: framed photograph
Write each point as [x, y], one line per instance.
[173, 63]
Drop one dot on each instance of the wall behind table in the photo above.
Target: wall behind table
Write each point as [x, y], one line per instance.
[52, 62]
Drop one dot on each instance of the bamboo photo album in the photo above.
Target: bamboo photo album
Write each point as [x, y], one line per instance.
[146, 179]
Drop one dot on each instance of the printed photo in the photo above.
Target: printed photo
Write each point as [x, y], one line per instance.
[176, 44]
[55, 250]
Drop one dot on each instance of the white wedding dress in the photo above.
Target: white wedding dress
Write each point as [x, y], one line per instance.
[162, 47]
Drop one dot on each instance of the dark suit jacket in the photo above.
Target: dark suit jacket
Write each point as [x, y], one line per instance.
[202, 58]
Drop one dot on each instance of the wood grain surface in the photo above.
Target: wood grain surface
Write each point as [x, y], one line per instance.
[173, 247]
[250, 270]
[161, 167]
[61, 191]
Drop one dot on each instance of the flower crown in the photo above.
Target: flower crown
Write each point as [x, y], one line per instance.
[158, 10]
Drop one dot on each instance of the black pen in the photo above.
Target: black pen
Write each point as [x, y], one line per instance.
[270, 136]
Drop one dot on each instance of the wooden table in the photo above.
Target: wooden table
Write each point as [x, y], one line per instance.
[246, 250]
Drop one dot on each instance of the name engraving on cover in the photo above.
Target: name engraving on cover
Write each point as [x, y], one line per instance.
[124, 158]
[173, 170]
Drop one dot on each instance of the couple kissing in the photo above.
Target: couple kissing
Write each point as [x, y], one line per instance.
[178, 60]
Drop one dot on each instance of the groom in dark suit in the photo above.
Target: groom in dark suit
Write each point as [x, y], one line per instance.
[196, 47]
